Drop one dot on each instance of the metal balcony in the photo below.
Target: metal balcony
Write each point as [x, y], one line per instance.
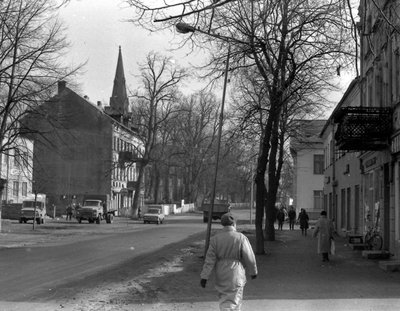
[363, 128]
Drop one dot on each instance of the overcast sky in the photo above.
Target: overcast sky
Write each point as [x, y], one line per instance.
[96, 28]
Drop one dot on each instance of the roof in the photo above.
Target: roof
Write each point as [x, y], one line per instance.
[307, 134]
[119, 99]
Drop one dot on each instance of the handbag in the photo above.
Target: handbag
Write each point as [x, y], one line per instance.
[333, 247]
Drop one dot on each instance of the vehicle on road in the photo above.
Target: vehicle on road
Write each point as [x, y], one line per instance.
[154, 215]
[33, 209]
[94, 209]
[220, 208]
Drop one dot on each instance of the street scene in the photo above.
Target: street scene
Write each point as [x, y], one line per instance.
[199, 155]
[133, 266]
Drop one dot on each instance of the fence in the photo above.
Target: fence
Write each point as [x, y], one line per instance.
[171, 208]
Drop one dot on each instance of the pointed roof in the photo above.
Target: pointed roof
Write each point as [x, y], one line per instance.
[119, 99]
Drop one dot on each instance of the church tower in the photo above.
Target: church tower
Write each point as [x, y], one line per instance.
[119, 99]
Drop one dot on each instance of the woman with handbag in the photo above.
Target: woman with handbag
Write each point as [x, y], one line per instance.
[324, 230]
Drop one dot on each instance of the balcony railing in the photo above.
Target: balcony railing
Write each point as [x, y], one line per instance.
[128, 157]
[363, 128]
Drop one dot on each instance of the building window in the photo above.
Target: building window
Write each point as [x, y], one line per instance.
[17, 158]
[318, 164]
[24, 189]
[318, 199]
[15, 188]
[343, 208]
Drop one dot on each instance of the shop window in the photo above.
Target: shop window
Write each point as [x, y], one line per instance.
[343, 208]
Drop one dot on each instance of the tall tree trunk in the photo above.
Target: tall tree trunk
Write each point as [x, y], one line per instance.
[270, 212]
[260, 198]
[138, 186]
[156, 189]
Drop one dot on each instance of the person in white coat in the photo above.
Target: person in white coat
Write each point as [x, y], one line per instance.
[229, 255]
[324, 230]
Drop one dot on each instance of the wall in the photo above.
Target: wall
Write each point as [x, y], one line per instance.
[73, 156]
[307, 181]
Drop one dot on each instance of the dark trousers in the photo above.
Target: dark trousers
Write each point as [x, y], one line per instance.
[291, 224]
[325, 257]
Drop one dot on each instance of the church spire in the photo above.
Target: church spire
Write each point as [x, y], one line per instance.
[119, 99]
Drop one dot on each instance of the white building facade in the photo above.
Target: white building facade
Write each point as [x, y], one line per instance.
[16, 169]
[307, 151]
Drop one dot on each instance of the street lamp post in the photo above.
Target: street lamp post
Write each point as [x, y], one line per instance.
[185, 28]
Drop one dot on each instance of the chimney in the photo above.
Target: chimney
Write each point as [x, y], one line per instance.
[61, 86]
[99, 105]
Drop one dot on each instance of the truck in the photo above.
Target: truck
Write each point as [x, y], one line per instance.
[219, 209]
[33, 209]
[94, 209]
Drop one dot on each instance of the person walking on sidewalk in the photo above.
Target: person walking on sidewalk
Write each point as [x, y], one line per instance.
[281, 218]
[324, 230]
[229, 254]
[292, 217]
[303, 219]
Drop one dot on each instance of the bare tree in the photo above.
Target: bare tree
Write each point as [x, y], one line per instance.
[195, 137]
[31, 46]
[156, 103]
[295, 46]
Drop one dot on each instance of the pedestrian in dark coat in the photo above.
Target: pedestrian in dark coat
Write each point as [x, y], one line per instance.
[303, 220]
[69, 212]
[292, 217]
[324, 230]
[281, 218]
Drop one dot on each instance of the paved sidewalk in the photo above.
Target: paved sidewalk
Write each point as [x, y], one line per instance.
[292, 276]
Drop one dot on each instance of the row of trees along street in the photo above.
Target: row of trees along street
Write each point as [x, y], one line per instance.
[179, 134]
[284, 54]
[178, 131]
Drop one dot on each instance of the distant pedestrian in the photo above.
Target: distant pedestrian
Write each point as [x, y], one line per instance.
[292, 217]
[280, 217]
[69, 212]
[229, 254]
[303, 220]
[324, 230]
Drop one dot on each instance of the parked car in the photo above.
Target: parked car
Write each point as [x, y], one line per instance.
[153, 215]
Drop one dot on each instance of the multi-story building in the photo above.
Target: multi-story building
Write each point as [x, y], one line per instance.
[342, 183]
[372, 129]
[16, 170]
[307, 151]
[81, 149]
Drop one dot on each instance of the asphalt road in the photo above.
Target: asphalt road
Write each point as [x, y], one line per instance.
[35, 273]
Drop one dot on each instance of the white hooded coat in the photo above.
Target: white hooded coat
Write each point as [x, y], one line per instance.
[229, 253]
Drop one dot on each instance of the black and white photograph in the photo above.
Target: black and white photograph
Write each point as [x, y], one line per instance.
[176, 155]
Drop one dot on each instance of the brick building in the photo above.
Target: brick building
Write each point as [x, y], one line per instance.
[81, 149]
